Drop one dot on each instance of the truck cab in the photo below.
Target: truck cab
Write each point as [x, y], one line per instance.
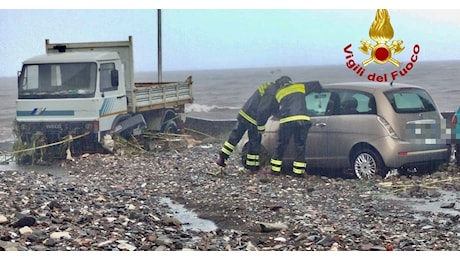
[83, 92]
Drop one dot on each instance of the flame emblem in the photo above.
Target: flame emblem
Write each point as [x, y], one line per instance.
[381, 32]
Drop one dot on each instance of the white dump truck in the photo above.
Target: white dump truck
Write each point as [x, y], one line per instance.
[86, 91]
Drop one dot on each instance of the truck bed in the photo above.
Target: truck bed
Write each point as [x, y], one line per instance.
[157, 95]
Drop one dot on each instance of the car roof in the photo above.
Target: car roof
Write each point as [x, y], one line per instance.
[369, 86]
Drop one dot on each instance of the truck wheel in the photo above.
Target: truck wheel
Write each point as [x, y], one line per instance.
[367, 164]
[170, 128]
[117, 121]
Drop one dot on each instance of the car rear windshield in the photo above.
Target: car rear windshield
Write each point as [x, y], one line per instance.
[410, 100]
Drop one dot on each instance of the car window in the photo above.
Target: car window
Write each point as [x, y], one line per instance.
[366, 103]
[317, 103]
[350, 102]
[340, 102]
[410, 100]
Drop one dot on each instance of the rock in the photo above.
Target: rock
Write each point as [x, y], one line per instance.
[59, 235]
[271, 227]
[3, 220]
[126, 246]
[280, 239]
[335, 247]
[12, 246]
[449, 205]
[251, 247]
[25, 230]
[24, 221]
[54, 205]
[49, 242]
[105, 243]
[171, 221]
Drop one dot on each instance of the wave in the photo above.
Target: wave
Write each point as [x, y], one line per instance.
[6, 134]
[207, 108]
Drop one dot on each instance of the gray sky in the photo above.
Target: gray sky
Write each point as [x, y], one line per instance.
[213, 37]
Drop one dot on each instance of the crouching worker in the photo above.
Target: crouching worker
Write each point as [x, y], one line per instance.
[294, 121]
[251, 118]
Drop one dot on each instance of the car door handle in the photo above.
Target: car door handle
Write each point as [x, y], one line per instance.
[121, 96]
[322, 124]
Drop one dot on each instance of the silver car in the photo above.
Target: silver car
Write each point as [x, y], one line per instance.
[367, 128]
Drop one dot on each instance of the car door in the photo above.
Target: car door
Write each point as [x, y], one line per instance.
[318, 108]
[352, 122]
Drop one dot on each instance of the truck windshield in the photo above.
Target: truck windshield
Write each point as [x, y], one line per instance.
[57, 80]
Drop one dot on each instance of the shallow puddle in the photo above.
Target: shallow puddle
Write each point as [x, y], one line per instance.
[54, 170]
[188, 218]
[433, 204]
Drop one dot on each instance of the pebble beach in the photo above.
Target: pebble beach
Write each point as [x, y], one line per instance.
[135, 200]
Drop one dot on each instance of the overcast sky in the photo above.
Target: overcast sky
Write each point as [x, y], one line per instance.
[216, 37]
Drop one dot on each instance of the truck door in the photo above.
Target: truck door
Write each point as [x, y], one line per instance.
[113, 94]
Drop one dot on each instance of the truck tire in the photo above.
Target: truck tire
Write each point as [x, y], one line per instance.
[170, 128]
[119, 119]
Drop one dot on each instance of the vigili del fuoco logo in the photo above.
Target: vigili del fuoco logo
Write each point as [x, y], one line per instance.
[381, 51]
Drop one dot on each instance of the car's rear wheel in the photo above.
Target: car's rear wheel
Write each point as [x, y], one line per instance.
[367, 164]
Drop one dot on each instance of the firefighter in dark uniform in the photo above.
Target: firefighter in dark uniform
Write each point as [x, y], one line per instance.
[252, 119]
[294, 121]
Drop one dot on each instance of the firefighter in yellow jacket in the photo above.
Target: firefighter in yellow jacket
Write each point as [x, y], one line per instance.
[252, 118]
[294, 121]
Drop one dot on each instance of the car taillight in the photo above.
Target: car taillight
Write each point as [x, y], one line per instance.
[454, 120]
[387, 127]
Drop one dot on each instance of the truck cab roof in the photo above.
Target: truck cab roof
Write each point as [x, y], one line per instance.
[92, 56]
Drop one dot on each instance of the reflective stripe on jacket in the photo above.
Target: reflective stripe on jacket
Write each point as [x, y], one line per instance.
[249, 111]
[292, 104]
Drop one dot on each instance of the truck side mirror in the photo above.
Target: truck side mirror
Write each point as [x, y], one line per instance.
[19, 78]
[114, 78]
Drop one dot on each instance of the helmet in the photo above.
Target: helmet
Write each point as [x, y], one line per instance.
[283, 80]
